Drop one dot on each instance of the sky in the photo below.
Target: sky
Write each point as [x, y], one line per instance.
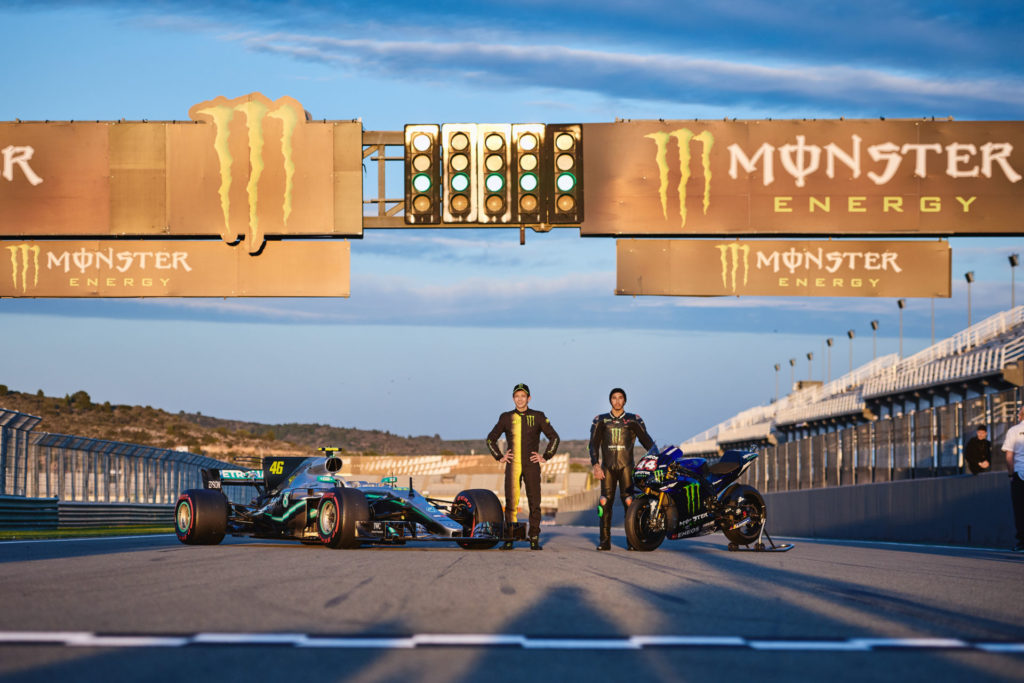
[441, 324]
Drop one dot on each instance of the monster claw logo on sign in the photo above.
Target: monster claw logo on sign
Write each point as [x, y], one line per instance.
[730, 255]
[24, 259]
[258, 112]
[682, 136]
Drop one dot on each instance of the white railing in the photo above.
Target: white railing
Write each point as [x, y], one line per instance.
[913, 373]
[848, 404]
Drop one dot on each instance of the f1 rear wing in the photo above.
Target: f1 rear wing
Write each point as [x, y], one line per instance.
[217, 478]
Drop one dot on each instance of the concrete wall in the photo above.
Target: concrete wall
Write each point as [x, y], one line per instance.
[960, 510]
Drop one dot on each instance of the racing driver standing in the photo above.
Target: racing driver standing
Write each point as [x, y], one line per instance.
[612, 436]
[522, 428]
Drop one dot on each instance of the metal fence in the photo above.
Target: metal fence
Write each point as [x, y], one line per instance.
[923, 443]
[74, 468]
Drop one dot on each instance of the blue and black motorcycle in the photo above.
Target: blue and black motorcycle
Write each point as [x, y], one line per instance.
[685, 497]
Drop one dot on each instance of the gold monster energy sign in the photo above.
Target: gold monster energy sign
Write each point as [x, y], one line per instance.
[242, 169]
[704, 178]
[783, 268]
[144, 268]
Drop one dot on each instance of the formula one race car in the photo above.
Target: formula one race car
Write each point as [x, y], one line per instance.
[307, 499]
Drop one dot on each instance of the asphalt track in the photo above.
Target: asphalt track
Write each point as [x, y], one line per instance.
[149, 608]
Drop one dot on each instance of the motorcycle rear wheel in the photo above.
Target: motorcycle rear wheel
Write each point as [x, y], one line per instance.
[645, 529]
[750, 505]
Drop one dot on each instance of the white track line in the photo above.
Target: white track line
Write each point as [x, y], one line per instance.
[85, 538]
[486, 640]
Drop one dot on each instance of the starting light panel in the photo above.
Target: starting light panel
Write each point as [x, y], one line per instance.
[564, 146]
[494, 173]
[493, 166]
[423, 176]
[526, 176]
[461, 191]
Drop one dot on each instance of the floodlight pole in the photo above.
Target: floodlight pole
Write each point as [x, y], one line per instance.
[969, 276]
[1014, 262]
[828, 342]
[850, 334]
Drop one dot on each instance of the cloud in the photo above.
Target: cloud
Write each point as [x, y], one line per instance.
[665, 76]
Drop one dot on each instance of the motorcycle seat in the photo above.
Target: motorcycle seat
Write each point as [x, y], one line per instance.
[724, 467]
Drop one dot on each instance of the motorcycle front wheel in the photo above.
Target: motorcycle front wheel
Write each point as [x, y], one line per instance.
[645, 523]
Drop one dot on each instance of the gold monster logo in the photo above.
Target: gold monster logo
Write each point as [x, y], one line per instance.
[683, 137]
[256, 109]
[24, 259]
[735, 257]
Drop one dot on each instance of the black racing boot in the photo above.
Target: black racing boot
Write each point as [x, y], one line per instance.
[605, 542]
[508, 545]
[535, 543]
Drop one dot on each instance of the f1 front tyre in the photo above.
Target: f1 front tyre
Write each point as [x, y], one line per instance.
[477, 506]
[339, 512]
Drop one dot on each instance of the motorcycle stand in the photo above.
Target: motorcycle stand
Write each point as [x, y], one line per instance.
[760, 547]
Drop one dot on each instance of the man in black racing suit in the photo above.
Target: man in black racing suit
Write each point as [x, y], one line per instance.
[612, 436]
[522, 428]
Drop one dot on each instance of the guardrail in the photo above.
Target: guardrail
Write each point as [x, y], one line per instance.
[114, 514]
[28, 513]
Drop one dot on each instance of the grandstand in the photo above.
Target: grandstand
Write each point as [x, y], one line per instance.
[983, 359]
[443, 476]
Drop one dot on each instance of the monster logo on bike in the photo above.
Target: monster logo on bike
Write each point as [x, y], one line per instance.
[692, 498]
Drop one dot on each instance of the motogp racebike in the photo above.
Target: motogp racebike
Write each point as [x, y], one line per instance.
[685, 497]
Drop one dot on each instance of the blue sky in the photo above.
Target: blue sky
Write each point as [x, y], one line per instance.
[441, 324]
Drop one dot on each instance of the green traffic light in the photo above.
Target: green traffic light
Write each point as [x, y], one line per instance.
[565, 182]
[421, 182]
[460, 182]
[528, 182]
[495, 182]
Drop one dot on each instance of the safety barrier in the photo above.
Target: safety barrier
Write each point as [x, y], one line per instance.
[17, 512]
[114, 514]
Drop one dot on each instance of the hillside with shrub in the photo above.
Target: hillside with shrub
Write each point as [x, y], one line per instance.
[231, 440]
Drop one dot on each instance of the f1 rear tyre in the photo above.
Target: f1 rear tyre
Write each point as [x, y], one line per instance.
[339, 512]
[201, 517]
[478, 506]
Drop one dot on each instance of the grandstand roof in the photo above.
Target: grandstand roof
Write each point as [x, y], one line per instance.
[982, 350]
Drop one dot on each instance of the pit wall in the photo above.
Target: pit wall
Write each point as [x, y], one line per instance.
[959, 510]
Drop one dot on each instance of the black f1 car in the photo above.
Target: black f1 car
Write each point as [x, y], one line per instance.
[308, 500]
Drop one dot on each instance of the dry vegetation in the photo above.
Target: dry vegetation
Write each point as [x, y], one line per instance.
[240, 442]
[244, 443]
